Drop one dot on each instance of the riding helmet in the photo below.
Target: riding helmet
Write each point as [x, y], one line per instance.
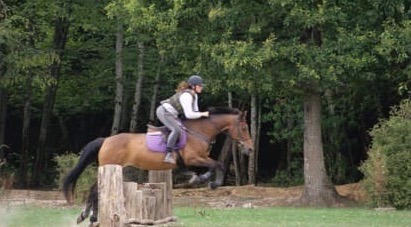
[195, 80]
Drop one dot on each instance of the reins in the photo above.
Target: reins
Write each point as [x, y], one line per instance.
[200, 135]
[197, 134]
[240, 140]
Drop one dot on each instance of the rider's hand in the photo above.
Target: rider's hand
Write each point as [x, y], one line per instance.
[206, 114]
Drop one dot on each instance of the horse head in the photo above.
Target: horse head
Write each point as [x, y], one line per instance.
[240, 133]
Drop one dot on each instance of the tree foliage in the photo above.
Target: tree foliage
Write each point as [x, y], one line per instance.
[357, 52]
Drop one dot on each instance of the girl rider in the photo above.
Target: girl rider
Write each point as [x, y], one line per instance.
[182, 104]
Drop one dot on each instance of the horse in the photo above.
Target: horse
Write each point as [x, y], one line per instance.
[131, 149]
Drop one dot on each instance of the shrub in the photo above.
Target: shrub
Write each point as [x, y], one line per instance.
[387, 171]
[65, 163]
[293, 176]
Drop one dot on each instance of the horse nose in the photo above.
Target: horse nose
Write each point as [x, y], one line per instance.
[247, 150]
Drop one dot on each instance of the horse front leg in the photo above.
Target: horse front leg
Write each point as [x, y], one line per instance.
[219, 179]
[200, 179]
[213, 166]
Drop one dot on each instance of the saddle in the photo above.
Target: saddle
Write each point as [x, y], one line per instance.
[156, 138]
[158, 130]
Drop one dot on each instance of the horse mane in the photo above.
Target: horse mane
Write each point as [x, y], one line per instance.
[223, 110]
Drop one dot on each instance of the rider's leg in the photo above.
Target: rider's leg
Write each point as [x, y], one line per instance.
[171, 142]
[173, 125]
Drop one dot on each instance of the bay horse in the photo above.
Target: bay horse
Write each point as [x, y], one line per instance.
[130, 149]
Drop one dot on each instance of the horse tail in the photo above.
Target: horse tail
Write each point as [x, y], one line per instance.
[88, 155]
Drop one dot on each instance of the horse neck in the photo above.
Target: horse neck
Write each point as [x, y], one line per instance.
[222, 122]
[213, 125]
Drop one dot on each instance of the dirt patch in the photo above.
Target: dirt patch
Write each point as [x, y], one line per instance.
[253, 196]
[228, 196]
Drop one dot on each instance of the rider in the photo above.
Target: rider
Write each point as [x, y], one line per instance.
[182, 104]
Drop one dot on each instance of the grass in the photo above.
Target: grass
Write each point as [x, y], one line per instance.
[291, 217]
[197, 217]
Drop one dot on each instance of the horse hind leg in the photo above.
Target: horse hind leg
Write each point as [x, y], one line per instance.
[85, 213]
[94, 202]
[93, 218]
[91, 204]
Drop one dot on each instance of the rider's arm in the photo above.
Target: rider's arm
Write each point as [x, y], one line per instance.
[190, 110]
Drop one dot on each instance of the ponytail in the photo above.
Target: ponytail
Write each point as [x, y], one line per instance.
[183, 85]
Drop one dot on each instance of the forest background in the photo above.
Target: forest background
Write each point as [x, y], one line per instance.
[322, 71]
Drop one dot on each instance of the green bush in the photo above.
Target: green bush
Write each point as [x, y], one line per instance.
[387, 171]
[65, 163]
[293, 176]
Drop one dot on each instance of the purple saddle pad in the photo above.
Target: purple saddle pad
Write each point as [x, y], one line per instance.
[156, 141]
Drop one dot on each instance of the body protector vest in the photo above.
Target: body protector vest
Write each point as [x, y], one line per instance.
[175, 101]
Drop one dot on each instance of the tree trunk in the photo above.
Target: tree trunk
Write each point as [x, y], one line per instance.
[119, 80]
[318, 189]
[65, 135]
[235, 155]
[289, 150]
[253, 129]
[25, 146]
[137, 92]
[125, 117]
[3, 102]
[59, 42]
[257, 140]
[3, 115]
[155, 92]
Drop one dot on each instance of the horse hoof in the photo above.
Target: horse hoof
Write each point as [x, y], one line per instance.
[193, 180]
[80, 219]
[213, 185]
[93, 219]
[94, 224]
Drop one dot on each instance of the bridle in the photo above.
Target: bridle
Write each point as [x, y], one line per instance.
[241, 139]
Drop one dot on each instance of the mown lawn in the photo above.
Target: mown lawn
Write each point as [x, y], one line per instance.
[188, 216]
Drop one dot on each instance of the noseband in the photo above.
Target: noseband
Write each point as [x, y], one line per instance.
[241, 139]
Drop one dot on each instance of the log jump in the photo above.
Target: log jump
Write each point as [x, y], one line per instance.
[131, 204]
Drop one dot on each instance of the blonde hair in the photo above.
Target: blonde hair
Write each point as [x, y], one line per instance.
[183, 85]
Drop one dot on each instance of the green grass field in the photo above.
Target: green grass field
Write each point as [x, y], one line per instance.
[188, 216]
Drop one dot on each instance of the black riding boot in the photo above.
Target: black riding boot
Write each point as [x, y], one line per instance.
[169, 156]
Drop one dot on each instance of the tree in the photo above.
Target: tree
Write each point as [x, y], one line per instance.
[3, 94]
[138, 87]
[60, 36]
[267, 54]
[318, 189]
[119, 80]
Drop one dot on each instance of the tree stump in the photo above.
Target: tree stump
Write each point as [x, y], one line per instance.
[111, 199]
[133, 200]
[164, 177]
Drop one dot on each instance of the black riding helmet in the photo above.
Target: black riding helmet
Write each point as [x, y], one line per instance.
[195, 80]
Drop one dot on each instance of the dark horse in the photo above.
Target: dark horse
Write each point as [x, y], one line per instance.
[130, 149]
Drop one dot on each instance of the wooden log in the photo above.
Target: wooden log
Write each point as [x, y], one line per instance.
[149, 207]
[133, 202]
[110, 198]
[157, 190]
[145, 222]
[166, 177]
